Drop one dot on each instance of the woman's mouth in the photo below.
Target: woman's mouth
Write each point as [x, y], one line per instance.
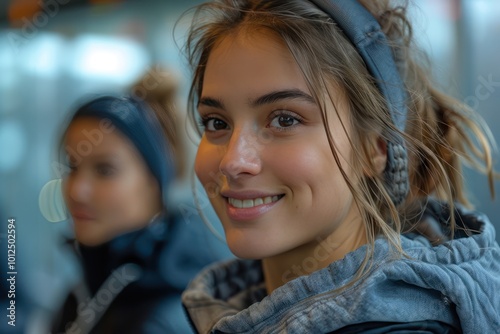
[250, 203]
[82, 215]
[245, 209]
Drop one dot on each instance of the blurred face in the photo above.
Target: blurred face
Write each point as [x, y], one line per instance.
[264, 157]
[109, 190]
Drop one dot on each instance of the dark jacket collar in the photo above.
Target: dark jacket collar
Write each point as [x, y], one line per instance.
[141, 247]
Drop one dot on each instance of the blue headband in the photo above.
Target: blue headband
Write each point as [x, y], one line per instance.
[141, 126]
[365, 33]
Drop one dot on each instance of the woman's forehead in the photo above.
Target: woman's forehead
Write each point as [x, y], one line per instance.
[92, 136]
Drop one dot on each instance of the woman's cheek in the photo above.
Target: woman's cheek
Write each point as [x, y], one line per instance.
[206, 166]
[111, 196]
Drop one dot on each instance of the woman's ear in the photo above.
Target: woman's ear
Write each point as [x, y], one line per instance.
[376, 155]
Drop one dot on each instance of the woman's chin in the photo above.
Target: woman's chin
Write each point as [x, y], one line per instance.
[90, 239]
[250, 251]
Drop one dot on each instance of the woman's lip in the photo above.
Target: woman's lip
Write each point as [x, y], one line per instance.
[249, 194]
[246, 214]
[82, 215]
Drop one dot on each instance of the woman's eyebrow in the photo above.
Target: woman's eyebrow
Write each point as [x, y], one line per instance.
[105, 156]
[272, 97]
[211, 102]
[286, 94]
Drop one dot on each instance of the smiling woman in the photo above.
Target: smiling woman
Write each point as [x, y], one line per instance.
[280, 184]
[337, 171]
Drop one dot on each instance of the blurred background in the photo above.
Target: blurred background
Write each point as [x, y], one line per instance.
[53, 53]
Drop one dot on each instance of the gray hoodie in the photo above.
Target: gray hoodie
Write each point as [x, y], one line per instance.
[456, 283]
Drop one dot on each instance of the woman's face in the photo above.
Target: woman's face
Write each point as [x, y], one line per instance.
[264, 157]
[109, 189]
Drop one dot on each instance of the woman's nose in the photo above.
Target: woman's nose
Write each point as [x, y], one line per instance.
[242, 155]
[77, 187]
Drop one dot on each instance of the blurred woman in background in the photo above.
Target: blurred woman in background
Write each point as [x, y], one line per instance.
[120, 169]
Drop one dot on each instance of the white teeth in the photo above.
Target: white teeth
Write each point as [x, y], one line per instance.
[250, 203]
[236, 202]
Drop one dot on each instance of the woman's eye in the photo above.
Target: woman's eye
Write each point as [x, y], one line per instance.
[105, 170]
[283, 121]
[214, 124]
[70, 163]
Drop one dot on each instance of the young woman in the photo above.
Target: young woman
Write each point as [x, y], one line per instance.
[333, 163]
[133, 245]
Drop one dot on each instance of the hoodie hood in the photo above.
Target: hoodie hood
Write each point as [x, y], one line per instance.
[455, 282]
